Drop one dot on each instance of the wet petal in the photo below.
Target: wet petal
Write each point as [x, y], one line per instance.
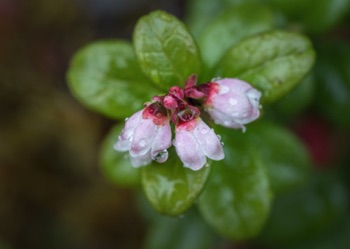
[143, 138]
[162, 140]
[209, 142]
[138, 161]
[130, 125]
[122, 145]
[189, 150]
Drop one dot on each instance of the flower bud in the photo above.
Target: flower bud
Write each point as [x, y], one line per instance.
[195, 141]
[232, 102]
[146, 135]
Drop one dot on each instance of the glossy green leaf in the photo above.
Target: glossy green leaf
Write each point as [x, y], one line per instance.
[274, 62]
[236, 200]
[285, 157]
[105, 77]
[200, 12]
[165, 50]
[230, 27]
[116, 165]
[313, 17]
[301, 213]
[333, 78]
[186, 232]
[170, 187]
[296, 100]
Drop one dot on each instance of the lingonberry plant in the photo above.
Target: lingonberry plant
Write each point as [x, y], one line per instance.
[147, 134]
[188, 103]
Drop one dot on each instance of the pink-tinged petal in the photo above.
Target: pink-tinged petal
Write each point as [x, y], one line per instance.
[235, 85]
[162, 140]
[143, 138]
[189, 150]
[138, 161]
[130, 125]
[234, 104]
[122, 145]
[209, 142]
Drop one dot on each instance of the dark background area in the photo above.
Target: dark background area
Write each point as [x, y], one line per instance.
[52, 192]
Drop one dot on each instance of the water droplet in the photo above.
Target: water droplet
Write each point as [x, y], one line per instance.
[206, 165]
[160, 156]
[126, 119]
[142, 142]
[233, 101]
[204, 130]
[219, 137]
[222, 143]
[224, 89]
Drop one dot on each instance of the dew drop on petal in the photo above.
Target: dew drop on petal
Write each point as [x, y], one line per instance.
[126, 119]
[219, 137]
[160, 156]
[204, 130]
[222, 143]
[233, 101]
[224, 89]
[142, 142]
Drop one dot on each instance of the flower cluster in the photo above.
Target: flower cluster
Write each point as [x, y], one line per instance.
[147, 134]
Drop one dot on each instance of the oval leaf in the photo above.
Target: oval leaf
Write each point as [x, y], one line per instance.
[166, 51]
[236, 200]
[170, 187]
[285, 157]
[105, 77]
[116, 165]
[273, 62]
[230, 27]
[187, 232]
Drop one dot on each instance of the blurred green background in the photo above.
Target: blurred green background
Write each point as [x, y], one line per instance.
[52, 191]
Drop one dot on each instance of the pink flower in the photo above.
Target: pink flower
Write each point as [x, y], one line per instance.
[146, 135]
[195, 141]
[231, 102]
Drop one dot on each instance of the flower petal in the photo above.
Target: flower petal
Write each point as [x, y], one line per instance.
[162, 140]
[143, 138]
[209, 142]
[189, 150]
[138, 161]
[130, 125]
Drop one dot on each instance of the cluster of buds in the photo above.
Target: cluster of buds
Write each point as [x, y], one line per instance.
[147, 134]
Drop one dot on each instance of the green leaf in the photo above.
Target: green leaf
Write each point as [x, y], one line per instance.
[236, 200]
[273, 62]
[166, 51]
[199, 13]
[230, 27]
[285, 157]
[299, 214]
[105, 77]
[116, 165]
[170, 187]
[315, 18]
[333, 78]
[187, 232]
[296, 100]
